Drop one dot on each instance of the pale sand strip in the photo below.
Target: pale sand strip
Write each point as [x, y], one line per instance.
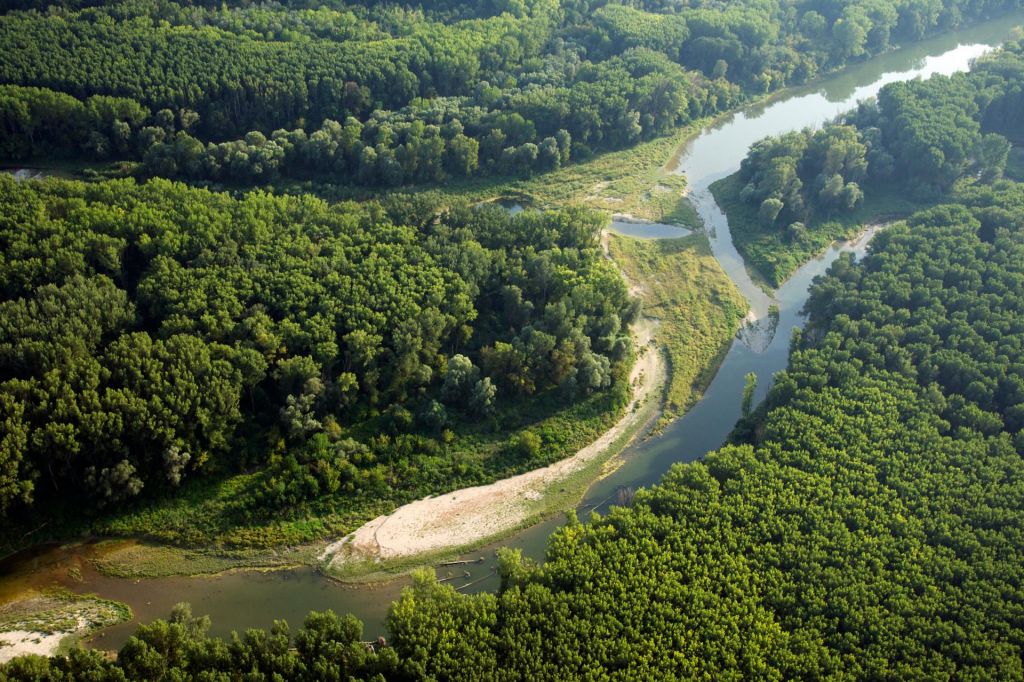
[465, 517]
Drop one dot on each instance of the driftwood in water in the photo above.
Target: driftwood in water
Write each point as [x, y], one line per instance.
[461, 562]
[623, 498]
[484, 577]
[465, 574]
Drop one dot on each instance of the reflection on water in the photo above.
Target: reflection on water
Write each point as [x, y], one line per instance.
[718, 151]
[240, 600]
[621, 224]
[252, 598]
[22, 174]
[235, 600]
[758, 334]
[513, 207]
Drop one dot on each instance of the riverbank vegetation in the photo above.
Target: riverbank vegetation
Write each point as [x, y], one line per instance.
[639, 182]
[773, 255]
[796, 193]
[134, 559]
[327, 647]
[866, 526]
[863, 524]
[697, 306]
[382, 96]
[53, 622]
[292, 358]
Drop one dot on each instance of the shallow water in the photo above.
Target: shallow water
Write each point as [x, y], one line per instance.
[644, 229]
[243, 599]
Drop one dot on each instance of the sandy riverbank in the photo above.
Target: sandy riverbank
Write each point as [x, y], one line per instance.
[16, 643]
[48, 623]
[466, 517]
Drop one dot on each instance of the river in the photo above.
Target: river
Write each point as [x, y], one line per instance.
[244, 599]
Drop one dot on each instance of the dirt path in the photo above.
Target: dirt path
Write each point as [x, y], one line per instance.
[465, 517]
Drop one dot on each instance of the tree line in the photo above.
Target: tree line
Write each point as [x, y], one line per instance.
[864, 522]
[154, 333]
[631, 97]
[619, 102]
[916, 138]
[238, 83]
[450, 90]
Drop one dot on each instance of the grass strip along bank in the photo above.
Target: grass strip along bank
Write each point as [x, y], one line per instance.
[698, 307]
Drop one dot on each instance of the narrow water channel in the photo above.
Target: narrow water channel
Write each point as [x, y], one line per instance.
[239, 600]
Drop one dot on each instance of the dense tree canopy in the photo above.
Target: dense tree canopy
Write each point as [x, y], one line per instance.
[865, 523]
[386, 95]
[142, 326]
[797, 192]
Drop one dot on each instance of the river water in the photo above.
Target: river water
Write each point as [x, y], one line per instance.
[239, 600]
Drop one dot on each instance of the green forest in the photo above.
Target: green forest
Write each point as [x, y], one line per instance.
[351, 353]
[796, 193]
[390, 95]
[865, 522]
[248, 314]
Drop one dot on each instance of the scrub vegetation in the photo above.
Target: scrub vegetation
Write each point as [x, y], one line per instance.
[697, 306]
